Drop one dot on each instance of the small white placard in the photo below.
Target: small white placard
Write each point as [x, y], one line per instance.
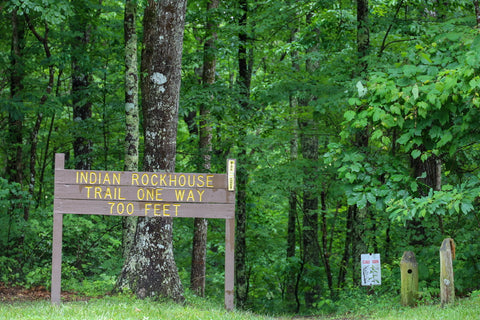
[371, 271]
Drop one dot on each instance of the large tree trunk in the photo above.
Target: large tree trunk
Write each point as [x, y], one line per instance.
[199, 250]
[131, 110]
[150, 269]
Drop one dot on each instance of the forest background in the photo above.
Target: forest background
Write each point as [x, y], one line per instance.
[354, 125]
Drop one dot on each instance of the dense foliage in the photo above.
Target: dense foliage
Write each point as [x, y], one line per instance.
[394, 130]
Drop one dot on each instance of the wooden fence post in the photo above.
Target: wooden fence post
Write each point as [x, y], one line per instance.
[447, 288]
[409, 279]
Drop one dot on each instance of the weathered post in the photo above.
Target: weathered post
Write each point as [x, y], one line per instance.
[409, 279]
[447, 288]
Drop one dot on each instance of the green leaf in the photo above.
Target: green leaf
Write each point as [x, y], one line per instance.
[414, 186]
[404, 138]
[466, 207]
[349, 115]
[362, 202]
[378, 114]
[371, 198]
[395, 109]
[409, 70]
[415, 92]
[377, 134]
[446, 138]
[416, 153]
[386, 140]
[425, 56]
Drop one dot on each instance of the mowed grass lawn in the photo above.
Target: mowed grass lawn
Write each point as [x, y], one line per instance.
[129, 308]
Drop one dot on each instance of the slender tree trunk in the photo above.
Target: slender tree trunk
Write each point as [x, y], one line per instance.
[150, 269]
[131, 111]
[81, 78]
[48, 90]
[309, 150]
[199, 247]
[426, 173]
[342, 272]
[363, 34]
[291, 297]
[325, 246]
[245, 61]
[14, 166]
[311, 252]
[477, 12]
[360, 215]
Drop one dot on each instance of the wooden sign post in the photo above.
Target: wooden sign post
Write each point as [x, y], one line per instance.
[447, 287]
[409, 279]
[152, 194]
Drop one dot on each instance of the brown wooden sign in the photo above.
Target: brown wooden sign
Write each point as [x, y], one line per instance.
[152, 194]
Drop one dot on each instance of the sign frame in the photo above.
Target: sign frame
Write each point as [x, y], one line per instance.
[187, 195]
[371, 269]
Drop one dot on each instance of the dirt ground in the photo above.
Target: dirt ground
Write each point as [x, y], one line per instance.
[15, 294]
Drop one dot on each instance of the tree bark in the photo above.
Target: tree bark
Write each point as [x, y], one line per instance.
[150, 269]
[477, 12]
[14, 166]
[363, 34]
[35, 131]
[309, 150]
[245, 74]
[311, 252]
[325, 246]
[81, 78]
[360, 215]
[292, 274]
[199, 247]
[131, 111]
[342, 272]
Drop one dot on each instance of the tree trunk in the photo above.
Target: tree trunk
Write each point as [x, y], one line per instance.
[245, 73]
[360, 215]
[342, 272]
[477, 12]
[311, 252]
[81, 78]
[292, 274]
[325, 246]
[48, 90]
[309, 150]
[150, 269]
[131, 111]
[14, 166]
[199, 246]
[363, 34]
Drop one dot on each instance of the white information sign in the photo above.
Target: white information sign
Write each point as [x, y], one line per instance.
[371, 272]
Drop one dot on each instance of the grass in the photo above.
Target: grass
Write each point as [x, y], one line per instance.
[119, 308]
[122, 307]
[462, 309]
